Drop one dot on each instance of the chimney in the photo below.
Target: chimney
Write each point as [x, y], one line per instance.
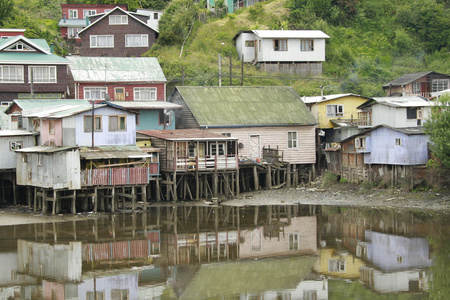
[87, 20]
[64, 18]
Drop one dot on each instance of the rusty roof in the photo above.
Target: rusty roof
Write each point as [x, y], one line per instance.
[184, 134]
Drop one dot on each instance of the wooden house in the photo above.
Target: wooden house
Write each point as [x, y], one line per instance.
[75, 17]
[417, 84]
[117, 33]
[394, 111]
[28, 69]
[293, 52]
[382, 154]
[336, 114]
[199, 152]
[117, 78]
[154, 15]
[10, 32]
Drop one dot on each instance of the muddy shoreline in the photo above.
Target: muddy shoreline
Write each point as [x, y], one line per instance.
[337, 195]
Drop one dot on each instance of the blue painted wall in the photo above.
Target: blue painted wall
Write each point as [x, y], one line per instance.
[149, 120]
[382, 149]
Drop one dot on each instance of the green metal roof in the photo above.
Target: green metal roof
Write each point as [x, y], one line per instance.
[26, 104]
[246, 106]
[32, 58]
[116, 69]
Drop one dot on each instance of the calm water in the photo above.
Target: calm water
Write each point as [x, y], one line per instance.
[196, 252]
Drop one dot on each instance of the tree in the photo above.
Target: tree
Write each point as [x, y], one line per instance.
[437, 127]
[6, 10]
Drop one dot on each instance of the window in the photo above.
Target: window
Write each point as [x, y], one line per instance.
[292, 139]
[19, 46]
[411, 113]
[416, 88]
[293, 241]
[119, 94]
[142, 94]
[73, 13]
[51, 127]
[88, 123]
[336, 265]
[155, 16]
[136, 40]
[40, 160]
[72, 32]
[249, 43]
[102, 41]
[399, 259]
[226, 134]
[24, 158]
[117, 123]
[306, 45]
[164, 118]
[11, 74]
[94, 93]
[15, 145]
[88, 12]
[335, 110]
[217, 149]
[118, 20]
[360, 143]
[280, 45]
[439, 85]
[42, 74]
[398, 142]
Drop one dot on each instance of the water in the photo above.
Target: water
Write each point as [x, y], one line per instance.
[198, 252]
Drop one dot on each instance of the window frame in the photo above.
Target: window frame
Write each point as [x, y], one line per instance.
[93, 41]
[72, 14]
[161, 115]
[339, 111]
[278, 45]
[307, 45]
[292, 142]
[72, 32]
[143, 37]
[89, 12]
[118, 20]
[98, 120]
[416, 88]
[119, 128]
[398, 141]
[411, 113]
[90, 89]
[9, 67]
[294, 244]
[52, 74]
[137, 93]
[221, 149]
[437, 83]
[250, 43]
[51, 127]
[15, 145]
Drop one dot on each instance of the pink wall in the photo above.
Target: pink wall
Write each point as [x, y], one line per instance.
[46, 137]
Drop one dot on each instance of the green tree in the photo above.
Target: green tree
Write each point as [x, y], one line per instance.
[6, 10]
[437, 127]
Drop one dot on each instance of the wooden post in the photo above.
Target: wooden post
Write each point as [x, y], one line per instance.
[215, 184]
[74, 199]
[144, 197]
[133, 198]
[55, 193]
[288, 175]
[269, 176]
[95, 198]
[35, 199]
[255, 177]
[44, 201]
[113, 199]
[158, 190]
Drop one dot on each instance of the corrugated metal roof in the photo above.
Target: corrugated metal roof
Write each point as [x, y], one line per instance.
[34, 58]
[145, 104]
[246, 106]
[302, 34]
[27, 104]
[412, 101]
[408, 78]
[77, 23]
[38, 44]
[116, 69]
[58, 112]
[405, 130]
[16, 132]
[318, 99]
[184, 134]
[119, 151]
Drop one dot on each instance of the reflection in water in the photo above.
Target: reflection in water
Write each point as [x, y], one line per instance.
[210, 252]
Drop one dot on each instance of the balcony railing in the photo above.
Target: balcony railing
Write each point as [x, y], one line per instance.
[203, 163]
[118, 176]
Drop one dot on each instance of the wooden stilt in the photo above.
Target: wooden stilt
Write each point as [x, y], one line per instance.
[35, 199]
[95, 199]
[144, 197]
[113, 199]
[74, 200]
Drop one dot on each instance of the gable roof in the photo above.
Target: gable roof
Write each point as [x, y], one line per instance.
[411, 101]
[116, 69]
[185, 135]
[404, 130]
[318, 99]
[41, 56]
[144, 104]
[408, 78]
[289, 34]
[108, 13]
[26, 104]
[246, 106]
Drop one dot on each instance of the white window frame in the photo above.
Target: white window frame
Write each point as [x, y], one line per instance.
[87, 92]
[282, 45]
[72, 32]
[398, 141]
[73, 14]
[119, 117]
[98, 126]
[49, 72]
[338, 110]
[250, 43]
[294, 241]
[140, 93]
[5, 76]
[94, 41]
[219, 150]
[15, 145]
[131, 38]
[416, 88]
[292, 139]
[438, 85]
[360, 143]
[118, 20]
[89, 12]
[19, 46]
[307, 45]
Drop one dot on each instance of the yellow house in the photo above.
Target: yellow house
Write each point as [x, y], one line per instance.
[333, 110]
[341, 264]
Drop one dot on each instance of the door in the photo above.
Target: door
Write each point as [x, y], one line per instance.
[119, 94]
[255, 146]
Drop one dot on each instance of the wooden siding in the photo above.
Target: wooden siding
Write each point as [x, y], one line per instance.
[292, 68]
[54, 139]
[118, 176]
[8, 156]
[78, 92]
[119, 31]
[350, 103]
[276, 137]
[184, 117]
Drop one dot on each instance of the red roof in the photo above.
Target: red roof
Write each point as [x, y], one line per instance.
[185, 134]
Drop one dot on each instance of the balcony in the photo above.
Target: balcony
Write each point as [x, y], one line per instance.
[204, 163]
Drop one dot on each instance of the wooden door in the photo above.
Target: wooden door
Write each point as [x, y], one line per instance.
[255, 146]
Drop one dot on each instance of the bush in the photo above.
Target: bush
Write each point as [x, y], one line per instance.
[329, 179]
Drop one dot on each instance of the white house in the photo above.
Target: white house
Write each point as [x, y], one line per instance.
[153, 16]
[298, 52]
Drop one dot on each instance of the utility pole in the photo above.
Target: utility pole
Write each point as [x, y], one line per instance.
[220, 71]
[231, 76]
